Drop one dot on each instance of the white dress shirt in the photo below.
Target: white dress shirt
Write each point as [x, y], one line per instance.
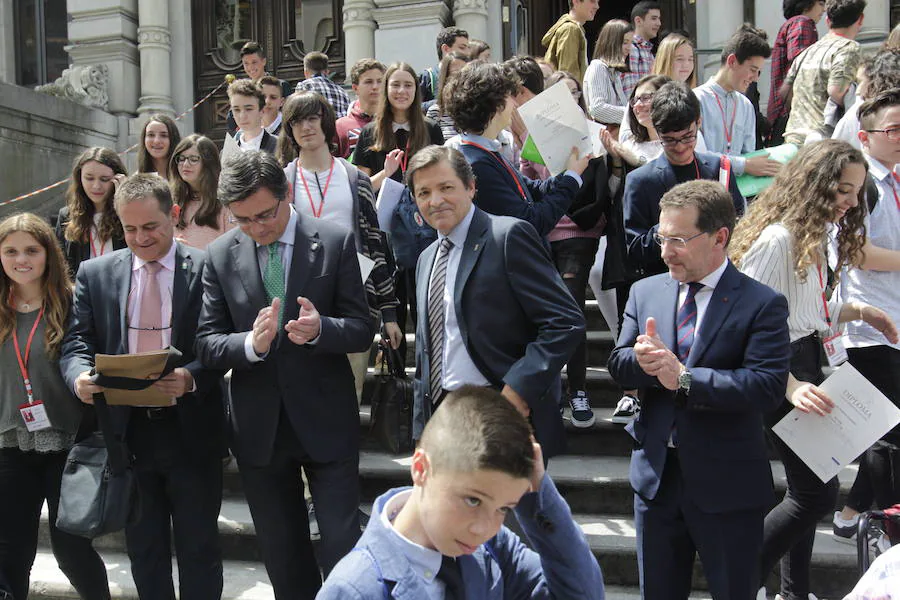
[166, 278]
[458, 367]
[251, 144]
[271, 127]
[424, 562]
[704, 294]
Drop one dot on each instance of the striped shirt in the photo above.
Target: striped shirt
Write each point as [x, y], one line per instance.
[770, 260]
[606, 100]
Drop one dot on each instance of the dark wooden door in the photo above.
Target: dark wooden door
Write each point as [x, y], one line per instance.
[286, 29]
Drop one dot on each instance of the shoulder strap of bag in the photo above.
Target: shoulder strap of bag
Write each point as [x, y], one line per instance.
[871, 193]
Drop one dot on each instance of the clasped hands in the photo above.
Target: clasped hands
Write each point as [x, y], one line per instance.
[656, 359]
[302, 330]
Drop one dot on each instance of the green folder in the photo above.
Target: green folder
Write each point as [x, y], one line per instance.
[530, 152]
[750, 185]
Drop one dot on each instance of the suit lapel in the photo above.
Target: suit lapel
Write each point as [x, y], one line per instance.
[720, 304]
[471, 251]
[121, 281]
[306, 247]
[665, 320]
[423, 276]
[666, 173]
[243, 252]
[184, 266]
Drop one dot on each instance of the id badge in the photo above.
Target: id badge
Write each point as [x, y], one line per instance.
[723, 178]
[835, 350]
[35, 416]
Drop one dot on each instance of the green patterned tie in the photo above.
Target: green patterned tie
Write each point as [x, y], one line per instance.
[273, 280]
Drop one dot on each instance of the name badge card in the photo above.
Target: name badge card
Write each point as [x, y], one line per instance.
[835, 350]
[35, 416]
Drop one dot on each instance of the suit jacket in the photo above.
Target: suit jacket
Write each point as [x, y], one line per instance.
[560, 565]
[739, 366]
[545, 203]
[312, 382]
[76, 252]
[518, 321]
[644, 188]
[98, 326]
[268, 143]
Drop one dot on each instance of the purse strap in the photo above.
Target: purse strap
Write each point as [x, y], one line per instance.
[116, 449]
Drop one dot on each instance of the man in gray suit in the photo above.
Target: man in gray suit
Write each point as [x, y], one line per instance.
[283, 305]
[493, 308]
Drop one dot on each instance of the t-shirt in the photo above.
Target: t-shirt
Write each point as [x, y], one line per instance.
[832, 61]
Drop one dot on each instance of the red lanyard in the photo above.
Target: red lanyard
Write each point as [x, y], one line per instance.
[728, 129]
[824, 300]
[95, 250]
[312, 206]
[510, 169]
[23, 362]
[405, 159]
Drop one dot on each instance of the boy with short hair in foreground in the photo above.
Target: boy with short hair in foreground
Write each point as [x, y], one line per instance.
[476, 461]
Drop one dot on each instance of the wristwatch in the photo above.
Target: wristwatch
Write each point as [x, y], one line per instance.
[684, 381]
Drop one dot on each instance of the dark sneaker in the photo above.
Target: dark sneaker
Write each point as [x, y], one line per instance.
[844, 531]
[582, 415]
[626, 410]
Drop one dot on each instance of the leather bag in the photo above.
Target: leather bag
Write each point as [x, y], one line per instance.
[392, 404]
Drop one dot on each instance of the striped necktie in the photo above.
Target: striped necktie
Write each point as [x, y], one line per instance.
[436, 318]
[687, 321]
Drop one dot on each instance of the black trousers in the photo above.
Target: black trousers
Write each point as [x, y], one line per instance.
[181, 494]
[879, 466]
[405, 289]
[275, 495]
[790, 527]
[26, 480]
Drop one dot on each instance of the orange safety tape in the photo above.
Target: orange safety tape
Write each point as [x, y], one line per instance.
[228, 79]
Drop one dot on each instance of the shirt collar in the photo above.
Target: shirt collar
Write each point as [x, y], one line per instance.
[459, 233]
[290, 232]
[397, 126]
[167, 261]
[492, 145]
[254, 141]
[718, 89]
[639, 41]
[274, 125]
[712, 280]
[878, 170]
[425, 562]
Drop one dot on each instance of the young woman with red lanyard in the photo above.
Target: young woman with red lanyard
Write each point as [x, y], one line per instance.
[782, 241]
[87, 226]
[331, 189]
[39, 415]
[481, 102]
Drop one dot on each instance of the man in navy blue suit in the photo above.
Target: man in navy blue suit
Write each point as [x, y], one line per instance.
[494, 310]
[708, 348]
[676, 117]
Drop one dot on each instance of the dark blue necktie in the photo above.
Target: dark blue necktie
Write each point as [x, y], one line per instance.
[687, 321]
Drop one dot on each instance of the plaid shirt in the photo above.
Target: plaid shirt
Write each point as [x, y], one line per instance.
[640, 63]
[330, 90]
[796, 35]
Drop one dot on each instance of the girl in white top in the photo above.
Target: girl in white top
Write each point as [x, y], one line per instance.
[782, 242]
[194, 178]
[603, 94]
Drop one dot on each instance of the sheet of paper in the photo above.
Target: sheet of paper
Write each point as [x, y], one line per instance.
[594, 129]
[388, 198]
[556, 124]
[366, 265]
[144, 365]
[861, 416]
[229, 148]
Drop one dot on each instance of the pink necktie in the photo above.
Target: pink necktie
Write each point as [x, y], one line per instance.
[150, 320]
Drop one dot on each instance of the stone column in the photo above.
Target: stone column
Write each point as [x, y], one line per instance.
[155, 44]
[472, 16]
[359, 32]
[181, 69]
[716, 22]
[877, 24]
[407, 30]
[7, 43]
[104, 32]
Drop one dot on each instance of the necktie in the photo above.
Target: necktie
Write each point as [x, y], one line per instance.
[687, 321]
[436, 317]
[150, 320]
[451, 575]
[273, 279]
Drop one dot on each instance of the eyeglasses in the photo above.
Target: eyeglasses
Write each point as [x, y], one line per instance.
[191, 160]
[642, 99]
[672, 142]
[892, 134]
[678, 242]
[260, 219]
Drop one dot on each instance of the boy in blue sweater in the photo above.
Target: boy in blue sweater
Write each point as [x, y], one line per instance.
[444, 538]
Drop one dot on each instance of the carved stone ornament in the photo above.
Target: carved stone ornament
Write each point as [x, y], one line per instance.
[84, 84]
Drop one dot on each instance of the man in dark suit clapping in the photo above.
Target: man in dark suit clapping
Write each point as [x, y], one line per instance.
[283, 305]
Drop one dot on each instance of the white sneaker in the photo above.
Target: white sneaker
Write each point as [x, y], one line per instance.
[761, 594]
[626, 410]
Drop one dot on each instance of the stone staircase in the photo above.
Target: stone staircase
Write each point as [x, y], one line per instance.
[593, 477]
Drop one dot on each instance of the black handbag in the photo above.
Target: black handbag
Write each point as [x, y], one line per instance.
[392, 404]
[98, 493]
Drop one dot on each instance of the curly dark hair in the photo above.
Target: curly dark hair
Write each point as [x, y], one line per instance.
[476, 94]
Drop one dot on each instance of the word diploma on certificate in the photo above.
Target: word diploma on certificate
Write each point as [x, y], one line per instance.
[557, 124]
[861, 415]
